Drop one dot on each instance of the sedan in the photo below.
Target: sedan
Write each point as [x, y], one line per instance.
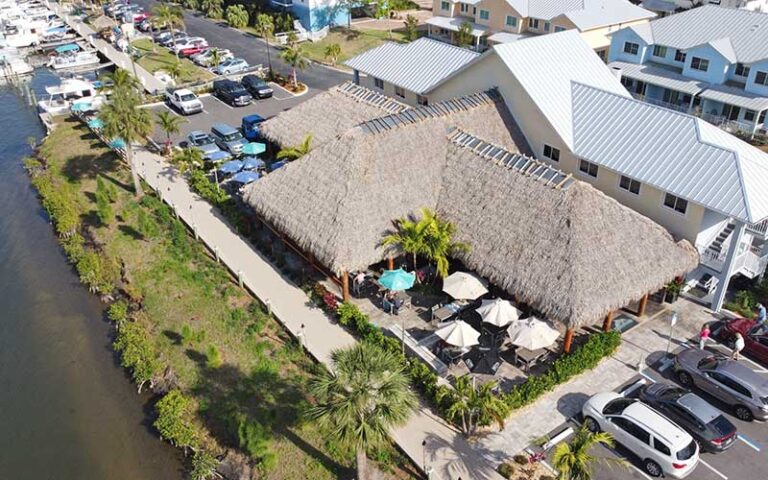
[233, 65]
[206, 58]
[705, 423]
[755, 337]
[727, 380]
[193, 50]
[203, 142]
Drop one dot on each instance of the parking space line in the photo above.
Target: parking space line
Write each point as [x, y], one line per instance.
[753, 444]
[167, 107]
[222, 102]
[717, 472]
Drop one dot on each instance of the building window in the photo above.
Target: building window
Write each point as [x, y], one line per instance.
[533, 23]
[464, 7]
[378, 83]
[741, 70]
[761, 78]
[675, 203]
[400, 92]
[630, 185]
[588, 167]
[701, 64]
[749, 115]
[761, 118]
[551, 153]
[511, 21]
[484, 14]
[659, 51]
[422, 100]
[558, 28]
[445, 6]
[679, 56]
[546, 26]
[631, 48]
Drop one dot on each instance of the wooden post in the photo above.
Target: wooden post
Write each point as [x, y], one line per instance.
[568, 340]
[643, 304]
[345, 286]
[390, 263]
[608, 323]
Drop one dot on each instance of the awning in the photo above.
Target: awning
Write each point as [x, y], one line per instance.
[455, 23]
[70, 47]
[735, 96]
[658, 75]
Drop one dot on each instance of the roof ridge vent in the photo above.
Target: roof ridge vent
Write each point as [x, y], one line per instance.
[370, 97]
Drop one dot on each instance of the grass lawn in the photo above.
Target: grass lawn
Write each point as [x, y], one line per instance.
[352, 42]
[163, 59]
[189, 305]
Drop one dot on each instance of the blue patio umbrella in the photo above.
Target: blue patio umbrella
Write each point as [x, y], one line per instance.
[233, 166]
[254, 148]
[117, 143]
[219, 156]
[245, 177]
[277, 165]
[397, 279]
[70, 47]
[250, 163]
[95, 123]
[81, 106]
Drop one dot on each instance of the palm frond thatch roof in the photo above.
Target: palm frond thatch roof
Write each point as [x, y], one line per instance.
[103, 21]
[553, 242]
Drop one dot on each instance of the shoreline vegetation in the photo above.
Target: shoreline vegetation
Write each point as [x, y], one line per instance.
[230, 386]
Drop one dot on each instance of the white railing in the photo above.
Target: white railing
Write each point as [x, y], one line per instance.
[760, 228]
[752, 265]
[302, 36]
[662, 103]
[711, 258]
[728, 125]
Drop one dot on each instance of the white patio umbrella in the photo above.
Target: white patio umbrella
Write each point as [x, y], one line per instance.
[459, 334]
[464, 286]
[498, 312]
[532, 333]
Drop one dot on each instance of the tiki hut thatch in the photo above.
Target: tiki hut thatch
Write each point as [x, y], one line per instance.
[553, 242]
[328, 115]
[103, 21]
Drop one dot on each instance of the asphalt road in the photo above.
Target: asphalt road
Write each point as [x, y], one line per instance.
[317, 77]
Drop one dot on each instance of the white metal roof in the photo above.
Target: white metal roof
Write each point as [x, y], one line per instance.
[585, 14]
[546, 65]
[506, 37]
[660, 75]
[659, 5]
[735, 96]
[671, 151]
[746, 31]
[416, 66]
[455, 23]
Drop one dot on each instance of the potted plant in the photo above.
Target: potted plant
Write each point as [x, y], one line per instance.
[672, 290]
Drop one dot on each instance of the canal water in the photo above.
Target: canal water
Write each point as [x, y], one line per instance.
[67, 411]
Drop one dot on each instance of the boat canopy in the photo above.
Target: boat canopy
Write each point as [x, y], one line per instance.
[70, 47]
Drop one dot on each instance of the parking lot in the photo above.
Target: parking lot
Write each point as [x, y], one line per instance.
[746, 459]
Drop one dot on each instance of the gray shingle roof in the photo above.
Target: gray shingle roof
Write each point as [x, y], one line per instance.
[415, 66]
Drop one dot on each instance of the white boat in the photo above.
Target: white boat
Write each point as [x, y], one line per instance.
[71, 60]
[61, 97]
[15, 35]
[15, 67]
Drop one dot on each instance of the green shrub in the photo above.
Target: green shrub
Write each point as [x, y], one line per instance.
[520, 459]
[118, 312]
[203, 466]
[506, 470]
[174, 420]
[99, 272]
[256, 439]
[146, 225]
[213, 357]
[136, 353]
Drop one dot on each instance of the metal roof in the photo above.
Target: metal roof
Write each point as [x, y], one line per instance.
[746, 31]
[506, 37]
[735, 96]
[671, 151]
[659, 5]
[546, 65]
[455, 23]
[660, 75]
[416, 66]
[585, 14]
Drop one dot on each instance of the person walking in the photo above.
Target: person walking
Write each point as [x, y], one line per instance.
[761, 313]
[738, 346]
[703, 336]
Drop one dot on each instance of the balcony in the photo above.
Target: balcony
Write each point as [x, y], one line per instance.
[661, 103]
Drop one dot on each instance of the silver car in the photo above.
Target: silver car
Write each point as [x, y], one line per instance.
[203, 142]
[728, 380]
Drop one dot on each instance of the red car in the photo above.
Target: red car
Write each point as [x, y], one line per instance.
[193, 50]
[755, 337]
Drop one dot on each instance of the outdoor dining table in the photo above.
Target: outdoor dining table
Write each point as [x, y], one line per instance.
[528, 357]
[445, 312]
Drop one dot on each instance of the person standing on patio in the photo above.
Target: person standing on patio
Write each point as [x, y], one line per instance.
[738, 346]
[358, 282]
[761, 313]
[703, 336]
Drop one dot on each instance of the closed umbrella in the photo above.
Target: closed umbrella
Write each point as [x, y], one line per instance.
[254, 148]
[232, 166]
[464, 286]
[459, 334]
[250, 163]
[498, 312]
[95, 123]
[532, 333]
[397, 279]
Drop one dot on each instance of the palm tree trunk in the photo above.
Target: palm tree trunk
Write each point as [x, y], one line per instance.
[295, 79]
[362, 464]
[134, 174]
[269, 59]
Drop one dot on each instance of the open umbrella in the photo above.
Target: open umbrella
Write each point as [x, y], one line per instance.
[498, 312]
[397, 279]
[464, 286]
[459, 334]
[245, 177]
[233, 166]
[254, 148]
[532, 333]
[95, 123]
[219, 156]
[250, 163]
[81, 106]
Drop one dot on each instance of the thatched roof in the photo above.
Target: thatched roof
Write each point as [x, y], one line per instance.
[554, 242]
[102, 21]
[328, 115]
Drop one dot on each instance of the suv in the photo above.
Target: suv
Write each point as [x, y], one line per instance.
[727, 380]
[663, 447]
[228, 138]
[755, 337]
[257, 86]
[232, 92]
[705, 423]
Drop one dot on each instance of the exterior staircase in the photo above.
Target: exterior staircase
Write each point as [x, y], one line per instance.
[716, 247]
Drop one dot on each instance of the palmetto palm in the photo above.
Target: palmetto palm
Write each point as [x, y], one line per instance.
[439, 243]
[473, 406]
[188, 159]
[175, 70]
[366, 396]
[237, 16]
[170, 16]
[170, 124]
[408, 238]
[573, 460]
[294, 56]
[216, 57]
[213, 8]
[297, 151]
[332, 52]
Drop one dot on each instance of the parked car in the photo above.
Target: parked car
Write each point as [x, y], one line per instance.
[193, 50]
[185, 101]
[250, 126]
[205, 58]
[145, 25]
[203, 142]
[706, 424]
[663, 447]
[187, 42]
[228, 138]
[257, 86]
[168, 40]
[755, 336]
[232, 65]
[232, 92]
[728, 380]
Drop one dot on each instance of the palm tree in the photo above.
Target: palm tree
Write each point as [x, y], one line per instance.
[294, 56]
[297, 151]
[409, 238]
[216, 57]
[333, 51]
[474, 406]
[170, 16]
[266, 27]
[124, 119]
[237, 16]
[188, 159]
[573, 459]
[176, 70]
[121, 80]
[213, 8]
[439, 243]
[171, 125]
[367, 395]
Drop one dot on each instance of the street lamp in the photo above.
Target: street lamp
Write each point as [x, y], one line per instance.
[672, 322]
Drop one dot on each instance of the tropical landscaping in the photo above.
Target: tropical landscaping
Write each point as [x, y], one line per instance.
[154, 58]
